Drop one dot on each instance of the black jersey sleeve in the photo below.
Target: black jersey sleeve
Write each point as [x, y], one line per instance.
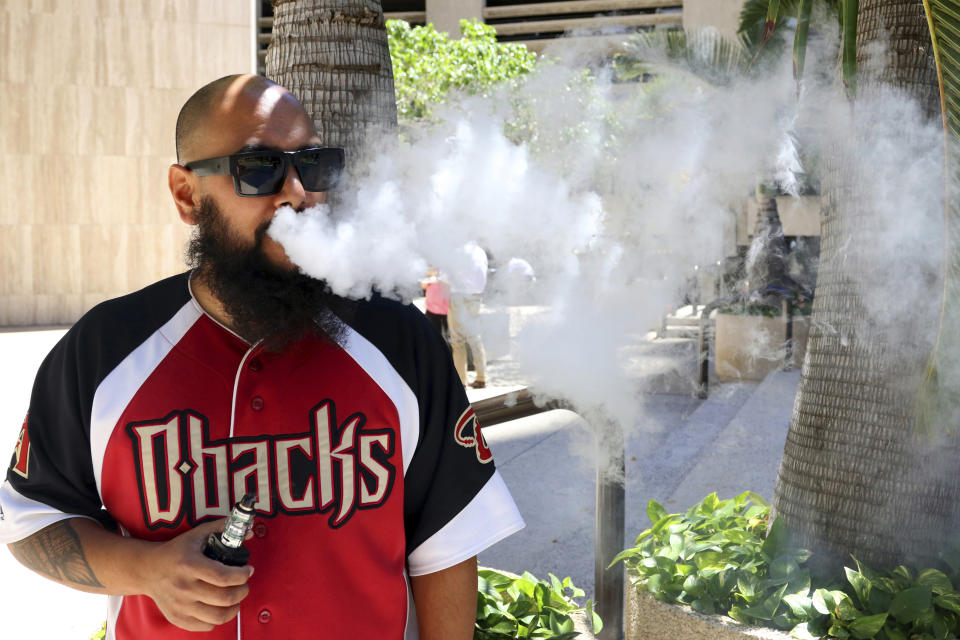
[51, 474]
[455, 503]
[50, 471]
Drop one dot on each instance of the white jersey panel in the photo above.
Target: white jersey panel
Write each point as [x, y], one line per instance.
[21, 517]
[128, 377]
[491, 511]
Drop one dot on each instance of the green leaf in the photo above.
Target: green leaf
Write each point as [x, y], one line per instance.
[693, 586]
[823, 601]
[709, 504]
[778, 539]
[837, 630]
[768, 608]
[661, 524]
[555, 583]
[756, 498]
[940, 628]
[910, 604]
[938, 581]
[783, 569]
[655, 511]
[893, 633]
[597, 623]
[801, 605]
[867, 626]
[902, 576]
[626, 554]
[860, 584]
[948, 601]
[845, 610]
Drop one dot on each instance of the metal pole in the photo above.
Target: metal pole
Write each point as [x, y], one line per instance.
[788, 343]
[703, 355]
[608, 583]
[611, 503]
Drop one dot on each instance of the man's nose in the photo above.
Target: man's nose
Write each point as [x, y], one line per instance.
[292, 193]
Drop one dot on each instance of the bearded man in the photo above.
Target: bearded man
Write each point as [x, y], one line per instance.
[159, 410]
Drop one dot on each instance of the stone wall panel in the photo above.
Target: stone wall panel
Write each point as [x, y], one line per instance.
[90, 92]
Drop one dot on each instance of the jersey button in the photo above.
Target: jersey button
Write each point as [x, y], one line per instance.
[256, 403]
[260, 530]
[255, 365]
[264, 616]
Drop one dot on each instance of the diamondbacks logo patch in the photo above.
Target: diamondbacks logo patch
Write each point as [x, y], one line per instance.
[468, 434]
[21, 455]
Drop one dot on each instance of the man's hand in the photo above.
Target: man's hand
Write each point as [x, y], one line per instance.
[192, 591]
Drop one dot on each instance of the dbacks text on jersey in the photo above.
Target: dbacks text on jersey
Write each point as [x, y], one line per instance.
[333, 468]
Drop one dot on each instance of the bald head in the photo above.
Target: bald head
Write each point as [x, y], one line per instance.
[218, 100]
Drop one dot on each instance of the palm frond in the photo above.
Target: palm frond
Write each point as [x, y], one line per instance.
[849, 26]
[704, 53]
[943, 17]
[800, 39]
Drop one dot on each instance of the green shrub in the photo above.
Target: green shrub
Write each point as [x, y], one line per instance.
[511, 607]
[723, 557]
[428, 65]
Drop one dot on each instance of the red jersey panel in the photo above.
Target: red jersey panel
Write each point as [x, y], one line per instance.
[366, 460]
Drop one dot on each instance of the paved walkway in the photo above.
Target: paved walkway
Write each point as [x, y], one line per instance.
[680, 450]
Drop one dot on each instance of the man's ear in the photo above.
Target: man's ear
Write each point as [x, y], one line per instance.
[183, 188]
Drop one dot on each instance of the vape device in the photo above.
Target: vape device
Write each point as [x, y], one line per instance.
[227, 547]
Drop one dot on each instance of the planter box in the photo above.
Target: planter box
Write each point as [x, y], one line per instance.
[750, 347]
[646, 618]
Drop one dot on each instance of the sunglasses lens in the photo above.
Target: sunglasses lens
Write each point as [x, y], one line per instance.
[259, 174]
[319, 169]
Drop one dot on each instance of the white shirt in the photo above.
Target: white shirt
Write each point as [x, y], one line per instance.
[469, 275]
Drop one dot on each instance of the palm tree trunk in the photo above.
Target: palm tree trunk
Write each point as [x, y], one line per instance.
[857, 477]
[333, 55]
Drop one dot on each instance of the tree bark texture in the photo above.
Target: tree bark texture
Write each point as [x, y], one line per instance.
[857, 477]
[333, 55]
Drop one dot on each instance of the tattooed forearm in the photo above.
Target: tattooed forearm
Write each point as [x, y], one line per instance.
[56, 552]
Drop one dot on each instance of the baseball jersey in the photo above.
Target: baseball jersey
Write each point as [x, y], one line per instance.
[368, 463]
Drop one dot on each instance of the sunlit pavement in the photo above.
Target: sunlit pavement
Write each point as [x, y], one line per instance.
[680, 449]
[31, 606]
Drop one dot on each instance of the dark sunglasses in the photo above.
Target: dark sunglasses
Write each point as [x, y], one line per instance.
[262, 173]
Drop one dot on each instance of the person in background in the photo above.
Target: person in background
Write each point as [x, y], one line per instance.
[467, 282]
[437, 292]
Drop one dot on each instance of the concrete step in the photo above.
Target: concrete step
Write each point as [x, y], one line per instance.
[685, 332]
[683, 321]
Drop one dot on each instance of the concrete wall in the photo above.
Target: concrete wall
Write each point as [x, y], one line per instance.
[722, 14]
[446, 14]
[89, 94]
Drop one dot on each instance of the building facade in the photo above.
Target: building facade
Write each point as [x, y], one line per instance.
[90, 91]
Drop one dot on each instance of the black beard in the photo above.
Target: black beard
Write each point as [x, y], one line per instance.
[264, 302]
